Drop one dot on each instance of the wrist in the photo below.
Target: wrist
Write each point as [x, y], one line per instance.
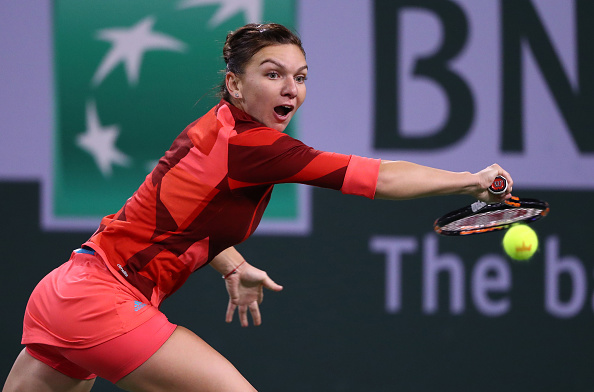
[233, 271]
[469, 183]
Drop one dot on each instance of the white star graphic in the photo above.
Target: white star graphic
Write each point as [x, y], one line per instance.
[228, 8]
[129, 45]
[100, 142]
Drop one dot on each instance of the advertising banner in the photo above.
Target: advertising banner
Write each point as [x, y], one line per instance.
[129, 77]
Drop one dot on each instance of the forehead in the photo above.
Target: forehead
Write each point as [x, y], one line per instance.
[287, 55]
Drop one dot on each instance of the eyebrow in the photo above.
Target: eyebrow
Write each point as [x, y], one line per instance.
[281, 65]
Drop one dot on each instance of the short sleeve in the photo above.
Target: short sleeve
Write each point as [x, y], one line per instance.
[266, 156]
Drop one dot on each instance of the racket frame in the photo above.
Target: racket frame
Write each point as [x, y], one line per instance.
[481, 208]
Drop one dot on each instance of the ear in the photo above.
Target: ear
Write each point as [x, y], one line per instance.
[233, 83]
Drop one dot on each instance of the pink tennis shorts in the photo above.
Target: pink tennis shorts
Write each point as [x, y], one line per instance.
[111, 360]
[83, 322]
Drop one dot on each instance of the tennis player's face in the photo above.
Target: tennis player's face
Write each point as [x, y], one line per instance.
[272, 86]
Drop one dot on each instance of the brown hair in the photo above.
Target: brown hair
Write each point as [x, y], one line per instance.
[242, 44]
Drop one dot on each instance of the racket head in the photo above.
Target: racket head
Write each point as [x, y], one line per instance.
[481, 217]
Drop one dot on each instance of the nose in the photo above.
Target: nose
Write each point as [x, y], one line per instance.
[289, 88]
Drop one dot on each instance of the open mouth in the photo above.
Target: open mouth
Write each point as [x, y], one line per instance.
[283, 110]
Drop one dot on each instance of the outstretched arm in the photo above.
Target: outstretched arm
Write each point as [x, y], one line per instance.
[244, 284]
[400, 180]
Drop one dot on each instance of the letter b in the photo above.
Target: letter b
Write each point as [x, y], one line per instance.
[434, 68]
[556, 267]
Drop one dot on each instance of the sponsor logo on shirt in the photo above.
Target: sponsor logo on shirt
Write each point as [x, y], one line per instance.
[138, 305]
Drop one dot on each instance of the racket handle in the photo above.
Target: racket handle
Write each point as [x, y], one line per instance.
[498, 186]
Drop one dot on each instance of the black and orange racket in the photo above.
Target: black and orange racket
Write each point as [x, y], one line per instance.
[480, 217]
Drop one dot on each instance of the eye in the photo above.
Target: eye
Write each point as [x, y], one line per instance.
[272, 75]
[300, 78]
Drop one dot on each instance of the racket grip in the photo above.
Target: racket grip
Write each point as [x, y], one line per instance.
[498, 186]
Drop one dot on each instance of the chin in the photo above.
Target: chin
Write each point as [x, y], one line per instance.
[279, 126]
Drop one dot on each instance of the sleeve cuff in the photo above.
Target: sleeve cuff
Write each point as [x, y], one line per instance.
[361, 177]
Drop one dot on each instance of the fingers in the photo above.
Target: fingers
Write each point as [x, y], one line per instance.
[492, 172]
[230, 310]
[243, 317]
[243, 313]
[241, 310]
[255, 312]
[510, 181]
[271, 284]
[508, 177]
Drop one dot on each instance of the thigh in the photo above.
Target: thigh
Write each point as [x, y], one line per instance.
[186, 363]
[30, 374]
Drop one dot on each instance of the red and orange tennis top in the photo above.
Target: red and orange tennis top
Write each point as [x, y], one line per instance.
[209, 192]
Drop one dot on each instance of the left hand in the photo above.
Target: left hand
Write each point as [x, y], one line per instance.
[245, 289]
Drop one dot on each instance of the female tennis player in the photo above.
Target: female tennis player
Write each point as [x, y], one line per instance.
[98, 314]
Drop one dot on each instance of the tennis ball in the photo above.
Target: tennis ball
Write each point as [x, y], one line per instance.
[520, 242]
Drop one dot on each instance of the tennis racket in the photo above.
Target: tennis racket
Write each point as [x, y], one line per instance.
[480, 217]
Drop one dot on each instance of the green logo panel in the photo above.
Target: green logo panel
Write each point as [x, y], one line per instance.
[129, 77]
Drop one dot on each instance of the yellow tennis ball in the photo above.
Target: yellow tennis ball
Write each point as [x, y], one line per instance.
[520, 242]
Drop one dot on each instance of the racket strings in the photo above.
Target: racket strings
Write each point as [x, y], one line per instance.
[492, 218]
